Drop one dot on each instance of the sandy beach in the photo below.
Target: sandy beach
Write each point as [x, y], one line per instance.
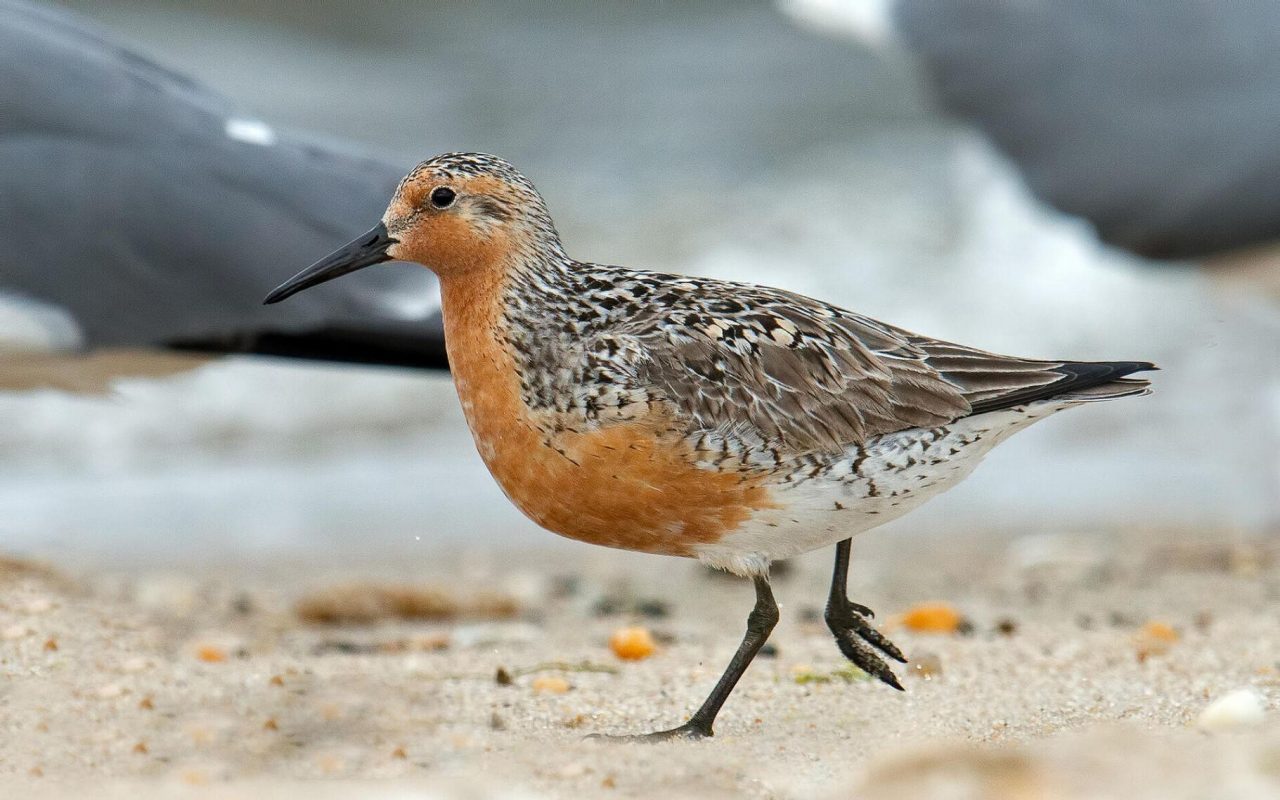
[1082, 666]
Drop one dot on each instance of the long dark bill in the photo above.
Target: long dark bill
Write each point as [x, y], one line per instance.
[363, 251]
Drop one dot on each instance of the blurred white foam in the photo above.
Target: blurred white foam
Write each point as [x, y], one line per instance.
[28, 325]
[251, 131]
[868, 21]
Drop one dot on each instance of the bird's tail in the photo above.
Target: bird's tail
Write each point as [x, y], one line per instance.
[1123, 387]
[1076, 381]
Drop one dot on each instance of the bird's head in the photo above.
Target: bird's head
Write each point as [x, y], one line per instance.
[457, 214]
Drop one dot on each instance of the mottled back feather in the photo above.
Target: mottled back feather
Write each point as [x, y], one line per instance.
[746, 368]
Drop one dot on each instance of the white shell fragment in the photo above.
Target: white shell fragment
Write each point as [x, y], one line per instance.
[1242, 708]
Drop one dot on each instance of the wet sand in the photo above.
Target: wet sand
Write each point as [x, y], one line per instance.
[1083, 668]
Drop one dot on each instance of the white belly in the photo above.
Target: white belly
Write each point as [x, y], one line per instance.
[869, 486]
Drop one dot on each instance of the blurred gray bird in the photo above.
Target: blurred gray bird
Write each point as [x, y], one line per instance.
[1156, 121]
[140, 209]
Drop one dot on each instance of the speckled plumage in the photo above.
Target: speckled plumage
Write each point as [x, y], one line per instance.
[694, 417]
[762, 383]
[744, 367]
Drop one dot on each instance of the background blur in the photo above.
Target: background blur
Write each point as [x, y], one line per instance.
[739, 140]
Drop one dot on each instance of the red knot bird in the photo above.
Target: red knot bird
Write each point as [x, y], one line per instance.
[722, 421]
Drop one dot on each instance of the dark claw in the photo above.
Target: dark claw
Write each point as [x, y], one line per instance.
[846, 621]
[878, 640]
[864, 659]
[842, 620]
[690, 730]
[859, 608]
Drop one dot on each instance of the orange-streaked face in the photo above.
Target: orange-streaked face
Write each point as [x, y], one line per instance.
[459, 214]
[454, 224]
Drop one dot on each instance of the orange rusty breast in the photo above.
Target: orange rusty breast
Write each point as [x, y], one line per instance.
[631, 486]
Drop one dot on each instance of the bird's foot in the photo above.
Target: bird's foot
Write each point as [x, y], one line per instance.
[860, 609]
[848, 623]
[691, 730]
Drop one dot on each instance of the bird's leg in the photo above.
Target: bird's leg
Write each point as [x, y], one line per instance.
[853, 633]
[759, 625]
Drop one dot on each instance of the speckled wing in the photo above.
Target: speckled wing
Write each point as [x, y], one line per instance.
[797, 373]
[805, 376]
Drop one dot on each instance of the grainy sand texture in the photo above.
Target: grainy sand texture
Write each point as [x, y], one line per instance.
[1133, 664]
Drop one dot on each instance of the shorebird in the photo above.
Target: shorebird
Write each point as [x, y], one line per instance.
[173, 207]
[723, 421]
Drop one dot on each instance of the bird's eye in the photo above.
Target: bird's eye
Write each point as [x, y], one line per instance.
[443, 196]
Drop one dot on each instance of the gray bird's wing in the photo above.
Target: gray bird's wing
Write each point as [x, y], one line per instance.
[156, 214]
[1155, 121]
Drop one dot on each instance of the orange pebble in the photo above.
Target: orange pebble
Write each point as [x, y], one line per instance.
[211, 653]
[932, 618]
[550, 684]
[632, 644]
[1159, 632]
[1154, 639]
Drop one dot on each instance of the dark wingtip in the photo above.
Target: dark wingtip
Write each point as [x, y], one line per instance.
[1076, 376]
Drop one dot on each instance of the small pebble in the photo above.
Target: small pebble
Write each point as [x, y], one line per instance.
[211, 653]
[1236, 710]
[654, 609]
[612, 605]
[565, 586]
[933, 618]
[608, 606]
[632, 644]
[1154, 639]
[810, 614]
[926, 665]
[14, 632]
[550, 684]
